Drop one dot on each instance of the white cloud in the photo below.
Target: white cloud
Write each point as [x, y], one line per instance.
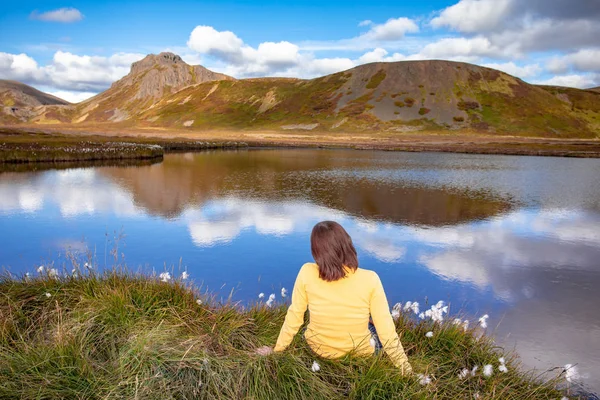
[68, 71]
[366, 22]
[511, 68]
[474, 15]
[378, 55]
[64, 15]
[225, 44]
[19, 67]
[574, 80]
[73, 192]
[585, 60]
[392, 29]
[242, 59]
[459, 49]
[71, 96]
[288, 59]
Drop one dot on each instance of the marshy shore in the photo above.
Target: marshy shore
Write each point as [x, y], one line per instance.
[115, 334]
[18, 144]
[27, 147]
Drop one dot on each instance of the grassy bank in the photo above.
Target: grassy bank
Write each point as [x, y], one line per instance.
[18, 146]
[123, 336]
[463, 141]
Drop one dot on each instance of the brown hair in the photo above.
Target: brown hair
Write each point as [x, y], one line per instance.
[332, 249]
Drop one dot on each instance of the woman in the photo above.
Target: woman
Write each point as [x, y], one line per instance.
[341, 297]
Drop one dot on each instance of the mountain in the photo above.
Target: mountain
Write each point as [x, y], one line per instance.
[394, 97]
[595, 89]
[21, 102]
[164, 92]
[151, 79]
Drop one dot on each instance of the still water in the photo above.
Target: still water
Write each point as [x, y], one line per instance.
[517, 238]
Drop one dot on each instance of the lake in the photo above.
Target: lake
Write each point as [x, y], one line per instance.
[515, 237]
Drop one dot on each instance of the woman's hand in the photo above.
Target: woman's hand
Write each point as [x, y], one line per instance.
[264, 351]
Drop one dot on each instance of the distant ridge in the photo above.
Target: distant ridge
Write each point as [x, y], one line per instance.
[162, 91]
[22, 103]
[23, 95]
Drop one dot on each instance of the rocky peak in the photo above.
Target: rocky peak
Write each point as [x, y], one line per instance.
[152, 60]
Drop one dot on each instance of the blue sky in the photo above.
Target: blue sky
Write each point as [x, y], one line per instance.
[79, 48]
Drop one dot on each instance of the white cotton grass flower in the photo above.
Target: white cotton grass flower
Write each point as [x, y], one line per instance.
[436, 312]
[199, 302]
[571, 373]
[48, 295]
[283, 292]
[424, 379]
[27, 275]
[86, 265]
[165, 277]
[271, 300]
[501, 360]
[184, 275]
[395, 314]
[502, 368]
[474, 370]
[466, 324]
[464, 373]
[53, 272]
[315, 367]
[429, 334]
[261, 295]
[483, 321]
[40, 269]
[488, 370]
[476, 395]
[457, 321]
[415, 307]
[408, 305]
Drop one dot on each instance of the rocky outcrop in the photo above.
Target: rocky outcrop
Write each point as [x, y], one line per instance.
[150, 80]
[165, 73]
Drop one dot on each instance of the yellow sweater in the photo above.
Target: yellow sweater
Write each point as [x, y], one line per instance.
[339, 315]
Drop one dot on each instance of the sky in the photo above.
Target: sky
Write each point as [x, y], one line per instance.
[79, 48]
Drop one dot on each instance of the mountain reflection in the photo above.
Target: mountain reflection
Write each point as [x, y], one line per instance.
[334, 179]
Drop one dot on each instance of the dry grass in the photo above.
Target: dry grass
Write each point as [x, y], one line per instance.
[122, 336]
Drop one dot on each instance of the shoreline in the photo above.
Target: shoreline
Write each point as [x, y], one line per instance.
[178, 140]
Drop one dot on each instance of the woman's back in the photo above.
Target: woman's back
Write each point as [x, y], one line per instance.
[339, 311]
[339, 314]
[340, 298]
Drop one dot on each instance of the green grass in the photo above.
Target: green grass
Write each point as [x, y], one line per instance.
[376, 79]
[17, 146]
[121, 336]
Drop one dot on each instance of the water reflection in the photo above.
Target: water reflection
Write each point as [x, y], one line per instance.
[343, 180]
[490, 234]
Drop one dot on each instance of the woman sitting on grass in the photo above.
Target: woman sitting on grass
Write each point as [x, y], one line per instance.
[341, 298]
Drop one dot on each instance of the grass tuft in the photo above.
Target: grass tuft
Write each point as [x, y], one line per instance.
[119, 335]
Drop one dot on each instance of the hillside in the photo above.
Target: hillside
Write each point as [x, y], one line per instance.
[151, 79]
[397, 97]
[162, 91]
[20, 102]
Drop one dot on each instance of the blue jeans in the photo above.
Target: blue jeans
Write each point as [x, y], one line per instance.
[378, 345]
